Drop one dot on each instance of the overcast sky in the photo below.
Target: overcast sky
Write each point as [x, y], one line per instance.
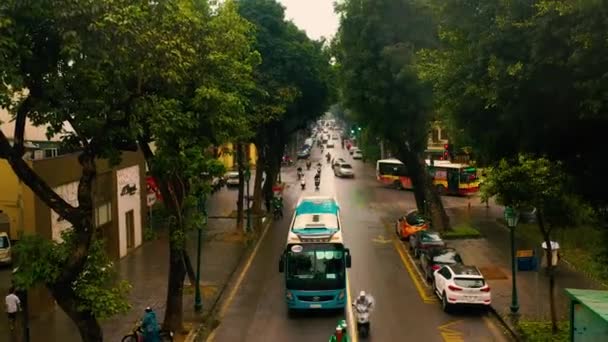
[316, 17]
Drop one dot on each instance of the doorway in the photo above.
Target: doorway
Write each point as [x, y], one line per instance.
[130, 225]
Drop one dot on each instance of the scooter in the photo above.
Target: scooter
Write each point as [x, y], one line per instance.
[308, 164]
[317, 184]
[362, 312]
[303, 183]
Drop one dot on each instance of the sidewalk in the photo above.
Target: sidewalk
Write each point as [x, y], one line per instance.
[492, 255]
[146, 269]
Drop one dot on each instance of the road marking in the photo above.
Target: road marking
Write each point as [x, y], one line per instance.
[350, 317]
[410, 269]
[237, 285]
[450, 335]
[382, 239]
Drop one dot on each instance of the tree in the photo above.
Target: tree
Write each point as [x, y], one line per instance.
[124, 74]
[291, 86]
[518, 76]
[45, 53]
[376, 53]
[529, 182]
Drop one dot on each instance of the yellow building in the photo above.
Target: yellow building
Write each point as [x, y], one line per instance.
[227, 156]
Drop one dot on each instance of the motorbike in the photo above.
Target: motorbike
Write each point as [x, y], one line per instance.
[317, 183]
[300, 173]
[362, 312]
[308, 165]
[328, 158]
[303, 184]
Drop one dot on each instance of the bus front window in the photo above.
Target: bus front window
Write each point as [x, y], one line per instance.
[468, 175]
[315, 269]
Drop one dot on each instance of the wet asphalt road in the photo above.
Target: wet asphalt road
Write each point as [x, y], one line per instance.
[406, 310]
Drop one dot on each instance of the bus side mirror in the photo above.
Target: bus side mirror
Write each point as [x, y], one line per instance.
[347, 255]
[282, 264]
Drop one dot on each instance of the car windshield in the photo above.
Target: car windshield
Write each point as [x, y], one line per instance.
[431, 237]
[346, 166]
[4, 243]
[469, 283]
[415, 219]
[447, 257]
[315, 269]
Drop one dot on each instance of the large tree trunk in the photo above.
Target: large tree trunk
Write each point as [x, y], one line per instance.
[427, 198]
[546, 232]
[239, 202]
[172, 199]
[87, 324]
[81, 219]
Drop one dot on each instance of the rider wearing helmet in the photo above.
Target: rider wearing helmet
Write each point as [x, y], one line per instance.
[365, 299]
[150, 326]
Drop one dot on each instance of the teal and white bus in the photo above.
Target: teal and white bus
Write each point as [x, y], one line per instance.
[315, 259]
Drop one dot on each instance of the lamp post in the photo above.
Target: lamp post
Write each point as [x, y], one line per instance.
[198, 302]
[512, 217]
[247, 178]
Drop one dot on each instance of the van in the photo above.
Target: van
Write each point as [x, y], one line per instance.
[5, 249]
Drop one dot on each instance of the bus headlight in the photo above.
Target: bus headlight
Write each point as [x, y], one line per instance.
[341, 295]
[289, 295]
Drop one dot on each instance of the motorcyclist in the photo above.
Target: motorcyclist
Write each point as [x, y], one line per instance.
[328, 156]
[365, 299]
[300, 173]
[150, 327]
[317, 180]
[341, 334]
[308, 164]
[277, 206]
[303, 183]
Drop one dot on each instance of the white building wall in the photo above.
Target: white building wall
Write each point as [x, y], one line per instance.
[69, 193]
[128, 177]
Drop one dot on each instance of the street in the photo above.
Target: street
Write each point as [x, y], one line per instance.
[405, 306]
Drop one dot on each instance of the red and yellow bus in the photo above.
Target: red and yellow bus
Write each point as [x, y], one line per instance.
[448, 178]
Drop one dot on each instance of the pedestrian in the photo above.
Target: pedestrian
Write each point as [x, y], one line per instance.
[150, 326]
[13, 305]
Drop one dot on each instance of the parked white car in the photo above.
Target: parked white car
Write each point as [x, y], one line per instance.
[357, 154]
[232, 178]
[344, 170]
[461, 285]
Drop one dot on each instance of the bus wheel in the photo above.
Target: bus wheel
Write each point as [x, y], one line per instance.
[397, 185]
[440, 189]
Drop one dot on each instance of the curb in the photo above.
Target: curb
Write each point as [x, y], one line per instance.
[505, 325]
[194, 333]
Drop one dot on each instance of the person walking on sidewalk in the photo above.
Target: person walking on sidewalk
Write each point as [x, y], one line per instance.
[13, 306]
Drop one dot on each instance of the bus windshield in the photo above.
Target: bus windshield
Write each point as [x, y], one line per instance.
[316, 268]
[391, 169]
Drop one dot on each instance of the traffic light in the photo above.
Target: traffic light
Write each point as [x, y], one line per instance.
[448, 152]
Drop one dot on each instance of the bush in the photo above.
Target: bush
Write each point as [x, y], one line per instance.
[540, 331]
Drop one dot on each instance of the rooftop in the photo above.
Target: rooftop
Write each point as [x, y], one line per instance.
[594, 300]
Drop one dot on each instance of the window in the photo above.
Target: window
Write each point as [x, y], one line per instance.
[435, 135]
[50, 152]
[4, 243]
[103, 214]
[470, 283]
[445, 273]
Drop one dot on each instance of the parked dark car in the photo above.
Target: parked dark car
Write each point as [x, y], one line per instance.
[436, 257]
[425, 239]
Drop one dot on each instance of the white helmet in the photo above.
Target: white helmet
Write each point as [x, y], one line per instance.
[362, 294]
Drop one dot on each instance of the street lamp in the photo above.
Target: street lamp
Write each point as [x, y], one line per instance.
[198, 302]
[247, 178]
[512, 217]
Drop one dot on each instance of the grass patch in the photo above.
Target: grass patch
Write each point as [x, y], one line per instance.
[462, 231]
[541, 331]
[583, 247]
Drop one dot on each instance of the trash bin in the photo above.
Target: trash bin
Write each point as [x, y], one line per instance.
[554, 253]
[526, 260]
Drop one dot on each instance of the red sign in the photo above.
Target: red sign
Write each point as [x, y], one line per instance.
[153, 188]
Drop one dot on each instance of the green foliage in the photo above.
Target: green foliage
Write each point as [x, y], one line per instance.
[529, 182]
[540, 331]
[376, 52]
[39, 262]
[514, 77]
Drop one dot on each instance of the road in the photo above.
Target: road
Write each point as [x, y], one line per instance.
[406, 310]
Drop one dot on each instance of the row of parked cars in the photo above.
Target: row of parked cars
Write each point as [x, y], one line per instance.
[455, 283]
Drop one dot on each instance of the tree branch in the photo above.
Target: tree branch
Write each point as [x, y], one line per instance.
[35, 183]
[18, 137]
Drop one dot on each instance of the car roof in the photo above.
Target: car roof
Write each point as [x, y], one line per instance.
[466, 271]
